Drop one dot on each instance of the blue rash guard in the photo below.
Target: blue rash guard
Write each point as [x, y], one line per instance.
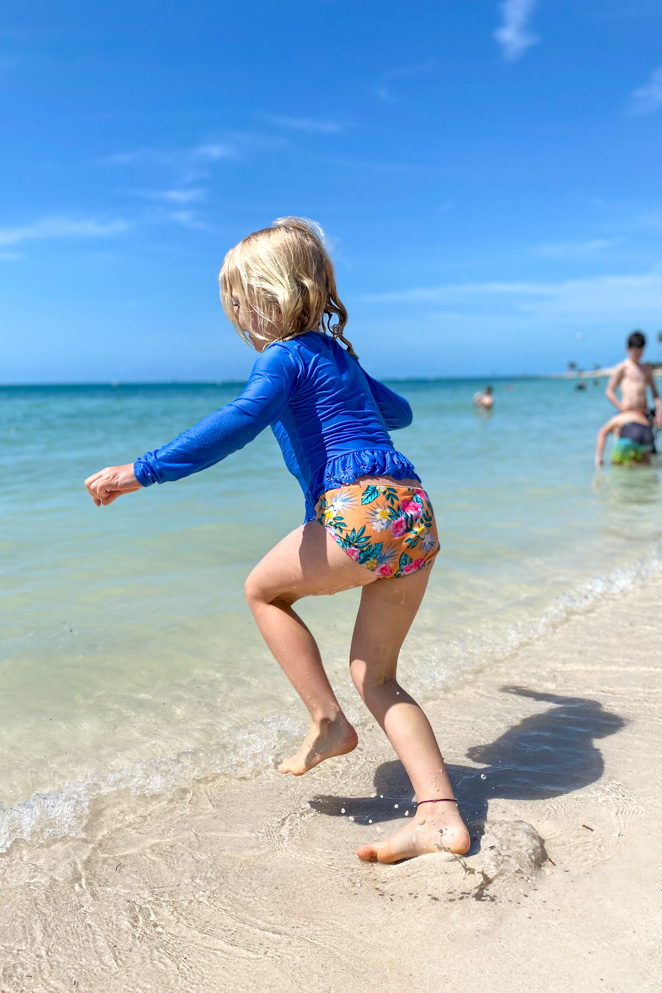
[330, 418]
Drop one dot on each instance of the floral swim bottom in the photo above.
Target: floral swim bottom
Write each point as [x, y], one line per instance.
[390, 529]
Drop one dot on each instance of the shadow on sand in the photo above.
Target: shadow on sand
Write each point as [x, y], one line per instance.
[544, 756]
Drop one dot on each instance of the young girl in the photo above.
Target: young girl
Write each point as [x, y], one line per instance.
[369, 522]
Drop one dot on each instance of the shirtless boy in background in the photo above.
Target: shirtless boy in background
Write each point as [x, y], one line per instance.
[633, 377]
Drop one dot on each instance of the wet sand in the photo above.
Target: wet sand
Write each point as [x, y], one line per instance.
[254, 885]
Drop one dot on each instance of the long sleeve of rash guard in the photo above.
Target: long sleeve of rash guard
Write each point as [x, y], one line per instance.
[263, 399]
[394, 409]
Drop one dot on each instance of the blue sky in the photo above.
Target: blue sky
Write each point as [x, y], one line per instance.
[488, 176]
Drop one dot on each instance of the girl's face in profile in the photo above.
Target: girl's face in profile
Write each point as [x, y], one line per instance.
[248, 324]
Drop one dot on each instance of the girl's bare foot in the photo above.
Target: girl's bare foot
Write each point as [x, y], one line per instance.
[325, 739]
[429, 831]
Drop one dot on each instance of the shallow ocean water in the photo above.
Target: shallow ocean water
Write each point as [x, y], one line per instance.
[129, 657]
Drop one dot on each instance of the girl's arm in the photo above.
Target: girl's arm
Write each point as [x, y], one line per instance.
[264, 398]
[394, 409]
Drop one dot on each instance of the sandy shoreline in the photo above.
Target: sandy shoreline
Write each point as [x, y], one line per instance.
[253, 885]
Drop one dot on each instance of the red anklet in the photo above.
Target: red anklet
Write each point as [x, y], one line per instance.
[441, 799]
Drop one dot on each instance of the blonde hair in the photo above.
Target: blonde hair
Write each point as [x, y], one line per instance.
[284, 278]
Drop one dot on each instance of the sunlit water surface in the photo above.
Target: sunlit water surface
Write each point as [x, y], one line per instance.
[129, 657]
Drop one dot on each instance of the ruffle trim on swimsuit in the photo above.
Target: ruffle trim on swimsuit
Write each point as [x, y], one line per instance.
[347, 468]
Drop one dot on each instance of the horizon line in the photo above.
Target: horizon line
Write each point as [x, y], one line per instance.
[116, 384]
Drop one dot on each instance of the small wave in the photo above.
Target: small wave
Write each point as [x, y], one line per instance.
[242, 752]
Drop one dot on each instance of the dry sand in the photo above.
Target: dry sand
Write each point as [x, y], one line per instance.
[254, 886]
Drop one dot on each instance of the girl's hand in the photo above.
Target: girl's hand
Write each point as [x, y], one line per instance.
[112, 482]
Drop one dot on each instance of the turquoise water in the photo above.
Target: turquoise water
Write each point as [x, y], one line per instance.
[129, 658]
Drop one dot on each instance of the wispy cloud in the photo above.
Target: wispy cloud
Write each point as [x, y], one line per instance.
[647, 99]
[436, 294]
[631, 295]
[215, 151]
[192, 194]
[10, 256]
[409, 168]
[61, 227]
[180, 170]
[310, 124]
[138, 155]
[209, 152]
[513, 35]
[575, 249]
[386, 94]
[187, 218]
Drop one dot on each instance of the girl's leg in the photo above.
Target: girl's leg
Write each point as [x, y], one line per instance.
[387, 610]
[307, 562]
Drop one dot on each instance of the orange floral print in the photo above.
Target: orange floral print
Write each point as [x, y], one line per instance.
[390, 529]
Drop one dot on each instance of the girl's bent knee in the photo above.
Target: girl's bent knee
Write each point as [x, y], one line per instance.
[257, 593]
[253, 590]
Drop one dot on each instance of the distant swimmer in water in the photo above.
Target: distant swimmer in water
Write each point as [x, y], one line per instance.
[634, 442]
[634, 378]
[484, 400]
[581, 385]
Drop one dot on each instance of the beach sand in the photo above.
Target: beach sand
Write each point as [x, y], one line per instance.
[254, 885]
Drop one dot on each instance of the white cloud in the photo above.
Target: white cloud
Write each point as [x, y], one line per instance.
[309, 124]
[411, 70]
[513, 35]
[628, 296]
[209, 152]
[187, 218]
[411, 168]
[138, 155]
[647, 99]
[61, 227]
[435, 294]
[214, 151]
[192, 194]
[386, 94]
[575, 249]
